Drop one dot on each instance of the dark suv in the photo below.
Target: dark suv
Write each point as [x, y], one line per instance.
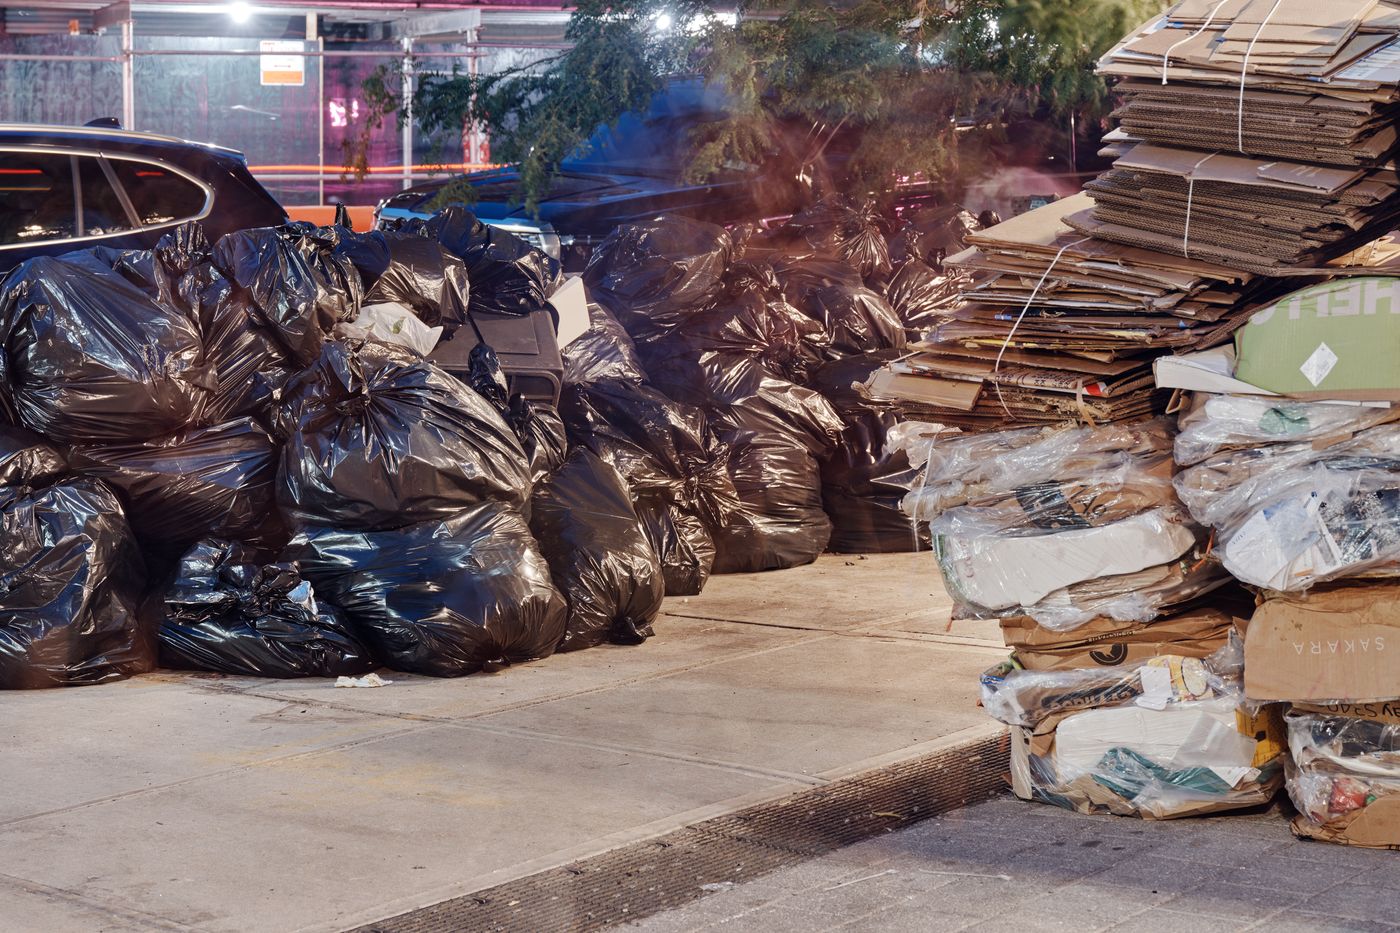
[636, 171]
[66, 188]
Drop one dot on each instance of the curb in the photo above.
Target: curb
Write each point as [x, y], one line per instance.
[647, 877]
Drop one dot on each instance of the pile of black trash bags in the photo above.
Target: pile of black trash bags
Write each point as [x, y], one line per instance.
[207, 463]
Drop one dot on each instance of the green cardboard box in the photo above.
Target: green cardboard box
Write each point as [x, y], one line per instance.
[1340, 339]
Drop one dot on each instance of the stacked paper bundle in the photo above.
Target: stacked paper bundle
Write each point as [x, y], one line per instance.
[1059, 326]
[1255, 133]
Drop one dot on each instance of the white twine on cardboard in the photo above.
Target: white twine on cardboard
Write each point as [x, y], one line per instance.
[1190, 198]
[1244, 70]
[1166, 56]
[1035, 292]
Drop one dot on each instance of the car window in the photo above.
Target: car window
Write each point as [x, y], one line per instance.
[102, 210]
[159, 195]
[37, 202]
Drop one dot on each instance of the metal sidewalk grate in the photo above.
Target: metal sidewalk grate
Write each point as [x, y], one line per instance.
[647, 877]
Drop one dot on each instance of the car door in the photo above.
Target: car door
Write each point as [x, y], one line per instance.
[54, 201]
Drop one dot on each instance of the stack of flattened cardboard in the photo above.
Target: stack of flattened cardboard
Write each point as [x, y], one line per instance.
[1255, 133]
[1298, 474]
[1059, 326]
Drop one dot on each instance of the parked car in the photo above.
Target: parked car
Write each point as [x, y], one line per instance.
[635, 171]
[65, 188]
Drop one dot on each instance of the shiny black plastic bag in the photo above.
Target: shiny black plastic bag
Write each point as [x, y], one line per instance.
[663, 449]
[210, 481]
[604, 351]
[441, 598]
[683, 544]
[378, 437]
[246, 361]
[854, 319]
[780, 522]
[507, 274]
[70, 588]
[424, 276]
[26, 459]
[87, 356]
[600, 559]
[229, 611]
[837, 228]
[542, 435]
[654, 275]
[863, 482]
[922, 297]
[297, 288]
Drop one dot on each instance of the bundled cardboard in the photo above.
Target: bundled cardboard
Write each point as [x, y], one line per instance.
[1195, 633]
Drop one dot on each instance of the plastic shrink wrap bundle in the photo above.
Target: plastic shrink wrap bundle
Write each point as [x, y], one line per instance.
[1064, 526]
[1298, 493]
[1166, 737]
[1344, 774]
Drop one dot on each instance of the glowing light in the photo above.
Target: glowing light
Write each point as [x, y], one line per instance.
[240, 12]
[664, 22]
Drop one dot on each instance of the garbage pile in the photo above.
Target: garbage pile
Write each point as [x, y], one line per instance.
[237, 457]
[1219, 271]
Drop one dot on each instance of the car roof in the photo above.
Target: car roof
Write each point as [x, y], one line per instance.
[97, 135]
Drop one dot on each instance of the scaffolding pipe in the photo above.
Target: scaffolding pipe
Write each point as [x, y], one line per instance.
[407, 91]
[128, 74]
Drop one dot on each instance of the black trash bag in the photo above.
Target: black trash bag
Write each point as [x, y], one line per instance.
[441, 598]
[70, 587]
[683, 544]
[663, 449]
[378, 437]
[26, 459]
[600, 559]
[837, 228]
[368, 252]
[318, 245]
[923, 297]
[248, 366]
[932, 235]
[604, 351]
[655, 275]
[137, 266]
[86, 356]
[864, 483]
[286, 281]
[753, 318]
[854, 319]
[424, 277]
[542, 435]
[507, 274]
[228, 610]
[214, 481]
[740, 394]
[780, 522]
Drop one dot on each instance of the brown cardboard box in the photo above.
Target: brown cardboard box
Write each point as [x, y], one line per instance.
[1106, 642]
[1377, 826]
[1341, 644]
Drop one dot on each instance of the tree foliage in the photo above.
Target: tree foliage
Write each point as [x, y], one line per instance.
[923, 86]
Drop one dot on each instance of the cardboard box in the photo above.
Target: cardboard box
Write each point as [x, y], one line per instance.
[1331, 645]
[1197, 633]
[1340, 339]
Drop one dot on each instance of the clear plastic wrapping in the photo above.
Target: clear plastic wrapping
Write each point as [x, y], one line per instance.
[1344, 778]
[1225, 422]
[1171, 736]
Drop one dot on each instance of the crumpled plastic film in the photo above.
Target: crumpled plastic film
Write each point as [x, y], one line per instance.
[1168, 737]
[604, 351]
[1221, 422]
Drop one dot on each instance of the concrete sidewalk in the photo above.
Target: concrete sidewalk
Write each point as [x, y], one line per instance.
[182, 801]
